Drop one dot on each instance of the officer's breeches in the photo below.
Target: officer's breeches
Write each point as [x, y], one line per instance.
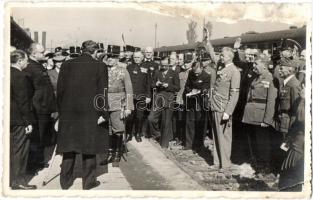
[222, 134]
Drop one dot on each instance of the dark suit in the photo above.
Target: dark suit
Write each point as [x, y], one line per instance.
[80, 81]
[20, 116]
[140, 79]
[44, 104]
[152, 67]
[163, 105]
[196, 114]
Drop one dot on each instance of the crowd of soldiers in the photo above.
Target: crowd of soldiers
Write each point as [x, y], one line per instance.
[98, 99]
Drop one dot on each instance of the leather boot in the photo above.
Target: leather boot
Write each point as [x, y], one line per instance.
[112, 150]
[138, 137]
[119, 150]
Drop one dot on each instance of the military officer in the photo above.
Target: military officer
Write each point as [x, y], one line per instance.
[259, 112]
[196, 88]
[224, 99]
[129, 51]
[141, 89]
[289, 92]
[166, 82]
[120, 93]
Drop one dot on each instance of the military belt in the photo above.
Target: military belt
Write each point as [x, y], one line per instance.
[257, 101]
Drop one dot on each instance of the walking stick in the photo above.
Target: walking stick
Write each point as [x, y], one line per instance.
[46, 180]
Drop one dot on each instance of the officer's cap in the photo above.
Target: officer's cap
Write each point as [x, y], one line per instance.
[288, 62]
[113, 50]
[129, 48]
[188, 57]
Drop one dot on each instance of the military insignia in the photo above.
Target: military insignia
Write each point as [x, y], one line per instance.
[143, 70]
[266, 84]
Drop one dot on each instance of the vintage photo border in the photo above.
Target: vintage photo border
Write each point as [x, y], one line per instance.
[6, 191]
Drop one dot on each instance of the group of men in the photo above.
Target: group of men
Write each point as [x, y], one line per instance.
[102, 99]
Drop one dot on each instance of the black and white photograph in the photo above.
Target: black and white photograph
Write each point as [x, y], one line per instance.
[157, 99]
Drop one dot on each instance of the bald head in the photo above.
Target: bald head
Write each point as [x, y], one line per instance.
[36, 51]
[148, 53]
[138, 57]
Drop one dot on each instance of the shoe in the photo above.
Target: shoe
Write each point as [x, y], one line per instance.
[109, 160]
[138, 138]
[129, 138]
[92, 185]
[24, 187]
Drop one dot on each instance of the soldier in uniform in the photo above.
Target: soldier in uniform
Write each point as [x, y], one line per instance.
[120, 94]
[141, 88]
[44, 101]
[223, 101]
[289, 92]
[166, 82]
[129, 51]
[196, 88]
[259, 112]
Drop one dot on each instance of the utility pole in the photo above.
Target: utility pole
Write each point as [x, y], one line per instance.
[155, 34]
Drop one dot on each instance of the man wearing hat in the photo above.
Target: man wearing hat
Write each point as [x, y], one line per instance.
[58, 59]
[83, 117]
[120, 98]
[129, 51]
[289, 93]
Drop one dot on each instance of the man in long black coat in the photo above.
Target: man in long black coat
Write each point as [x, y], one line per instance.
[83, 128]
[21, 121]
[43, 99]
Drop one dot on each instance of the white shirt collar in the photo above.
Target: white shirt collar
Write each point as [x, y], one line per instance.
[227, 65]
[288, 79]
[16, 67]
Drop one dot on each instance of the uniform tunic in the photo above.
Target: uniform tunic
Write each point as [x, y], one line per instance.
[288, 94]
[120, 96]
[259, 109]
[224, 99]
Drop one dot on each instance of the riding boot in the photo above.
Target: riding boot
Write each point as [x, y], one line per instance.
[112, 150]
[119, 150]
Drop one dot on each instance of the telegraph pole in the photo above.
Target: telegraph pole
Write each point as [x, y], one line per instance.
[155, 34]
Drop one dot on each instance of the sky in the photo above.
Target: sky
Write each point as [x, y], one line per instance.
[72, 25]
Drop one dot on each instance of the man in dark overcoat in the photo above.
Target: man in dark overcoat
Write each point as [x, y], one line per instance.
[82, 102]
[44, 102]
[21, 121]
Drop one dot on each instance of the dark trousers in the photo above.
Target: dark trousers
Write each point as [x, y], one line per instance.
[42, 137]
[195, 128]
[67, 170]
[179, 123]
[166, 134]
[136, 119]
[19, 150]
[260, 139]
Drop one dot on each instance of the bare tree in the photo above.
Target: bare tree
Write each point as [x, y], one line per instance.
[209, 27]
[191, 32]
